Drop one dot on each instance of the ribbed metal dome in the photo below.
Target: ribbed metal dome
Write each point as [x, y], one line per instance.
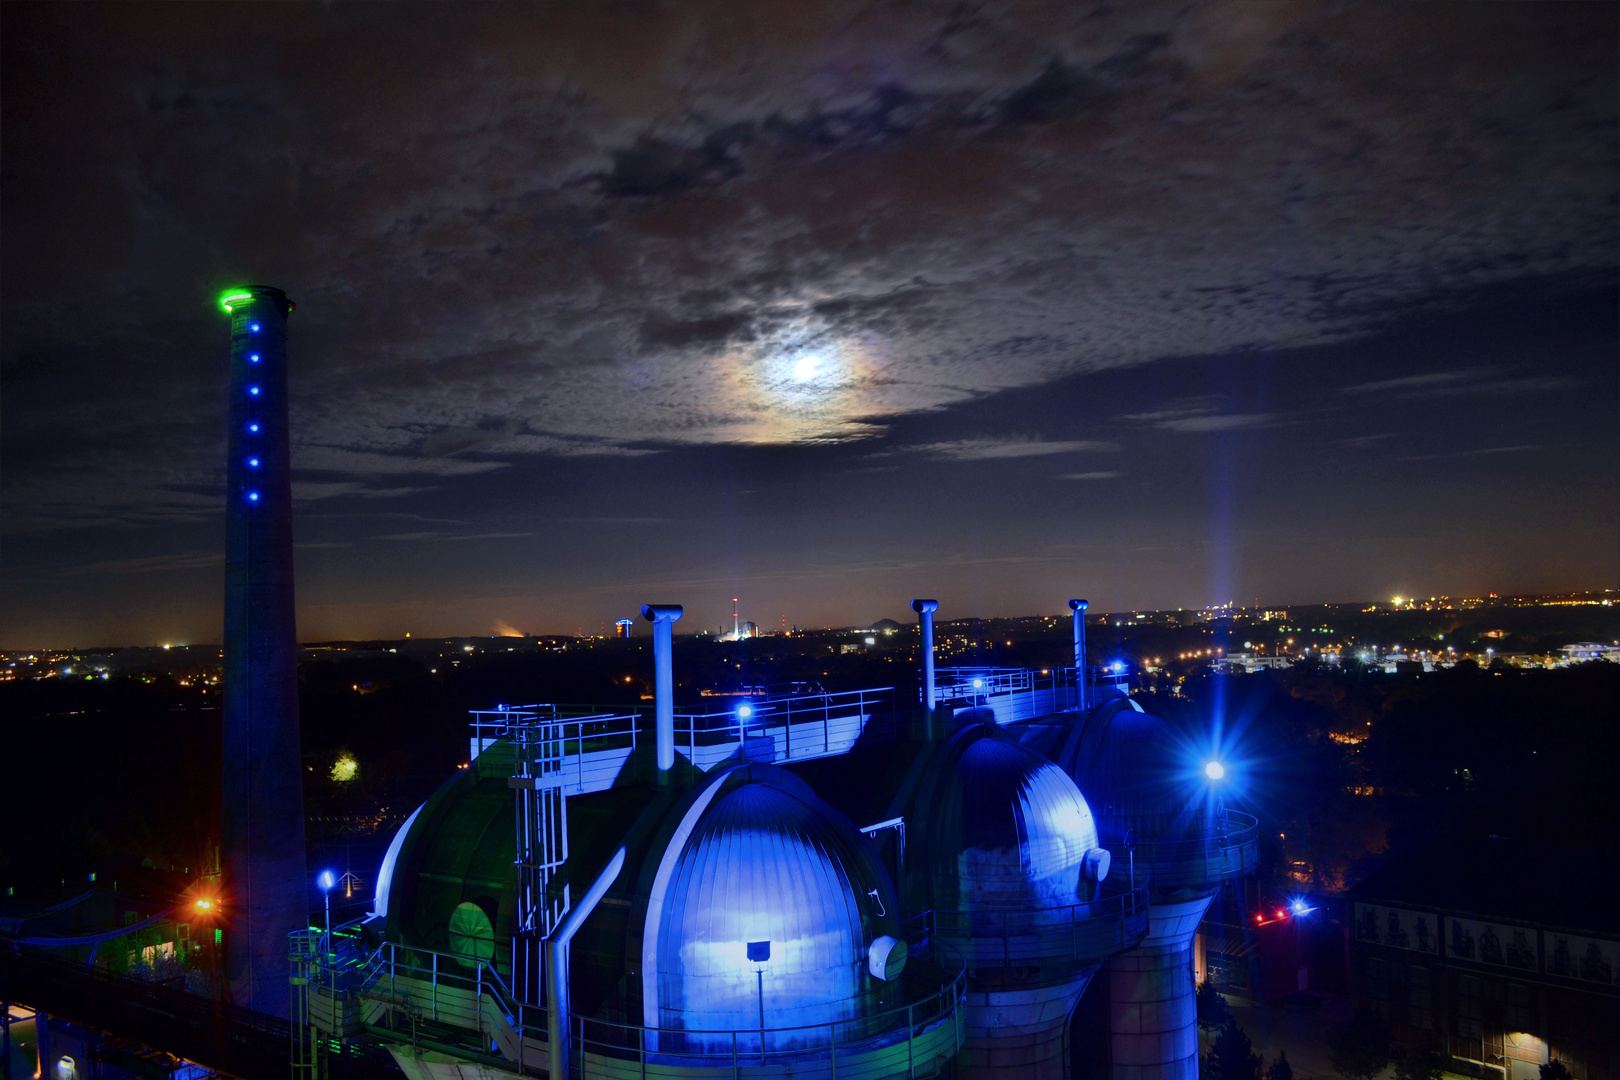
[1010, 831]
[1134, 769]
[769, 862]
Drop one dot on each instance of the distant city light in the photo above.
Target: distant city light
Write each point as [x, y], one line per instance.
[204, 905]
[1215, 770]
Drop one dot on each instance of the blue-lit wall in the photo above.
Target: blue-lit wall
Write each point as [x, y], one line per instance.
[263, 803]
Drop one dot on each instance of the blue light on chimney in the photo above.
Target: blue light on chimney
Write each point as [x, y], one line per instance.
[253, 358]
[254, 390]
[253, 428]
[253, 496]
[254, 328]
[253, 463]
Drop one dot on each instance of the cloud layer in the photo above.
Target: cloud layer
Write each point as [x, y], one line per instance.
[519, 231]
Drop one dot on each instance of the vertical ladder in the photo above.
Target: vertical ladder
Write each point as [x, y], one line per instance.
[542, 841]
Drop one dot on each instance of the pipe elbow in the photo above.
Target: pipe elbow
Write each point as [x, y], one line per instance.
[1079, 605]
[667, 612]
[925, 607]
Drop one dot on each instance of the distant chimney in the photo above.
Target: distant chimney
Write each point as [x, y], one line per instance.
[925, 617]
[263, 798]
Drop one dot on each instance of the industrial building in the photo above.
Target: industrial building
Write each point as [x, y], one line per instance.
[839, 885]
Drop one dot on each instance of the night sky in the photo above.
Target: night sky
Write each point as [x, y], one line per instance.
[826, 306]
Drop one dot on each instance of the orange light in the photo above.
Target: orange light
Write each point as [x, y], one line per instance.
[204, 905]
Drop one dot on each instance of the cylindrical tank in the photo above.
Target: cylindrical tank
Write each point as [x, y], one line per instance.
[763, 911]
[1144, 779]
[1009, 867]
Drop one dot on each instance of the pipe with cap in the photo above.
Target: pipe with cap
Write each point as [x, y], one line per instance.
[557, 966]
[663, 617]
[1079, 608]
[925, 617]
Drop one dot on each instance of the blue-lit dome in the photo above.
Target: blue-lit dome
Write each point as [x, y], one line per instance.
[1010, 831]
[772, 903]
[1138, 774]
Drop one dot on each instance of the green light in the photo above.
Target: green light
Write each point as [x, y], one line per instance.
[228, 295]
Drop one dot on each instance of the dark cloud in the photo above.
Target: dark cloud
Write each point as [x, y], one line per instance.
[533, 242]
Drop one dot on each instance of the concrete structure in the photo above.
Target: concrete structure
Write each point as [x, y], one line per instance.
[1161, 814]
[265, 888]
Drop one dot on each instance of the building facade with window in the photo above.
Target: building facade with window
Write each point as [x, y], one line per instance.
[1466, 949]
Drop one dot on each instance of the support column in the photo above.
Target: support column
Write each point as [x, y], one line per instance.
[1152, 1012]
[1021, 1034]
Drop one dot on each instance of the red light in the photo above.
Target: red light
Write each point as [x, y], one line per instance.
[1260, 918]
[1282, 914]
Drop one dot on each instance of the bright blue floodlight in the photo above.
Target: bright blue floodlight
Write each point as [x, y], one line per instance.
[1299, 907]
[1215, 770]
[326, 881]
[978, 684]
[254, 390]
[253, 496]
[253, 428]
[1118, 666]
[254, 328]
[744, 711]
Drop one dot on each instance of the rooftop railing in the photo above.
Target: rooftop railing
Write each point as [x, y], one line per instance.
[460, 1005]
[1015, 694]
[1231, 849]
[1071, 935]
[596, 742]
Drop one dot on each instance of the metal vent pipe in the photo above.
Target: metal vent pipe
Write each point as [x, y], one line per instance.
[925, 618]
[663, 617]
[557, 951]
[1079, 608]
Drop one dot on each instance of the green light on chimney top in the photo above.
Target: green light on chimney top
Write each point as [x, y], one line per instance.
[230, 295]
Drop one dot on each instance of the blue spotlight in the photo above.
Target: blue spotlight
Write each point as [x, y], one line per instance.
[253, 496]
[253, 358]
[327, 881]
[744, 712]
[1299, 907]
[978, 684]
[254, 328]
[1215, 770]
[253, 463]
[254, 390]
[253, 428]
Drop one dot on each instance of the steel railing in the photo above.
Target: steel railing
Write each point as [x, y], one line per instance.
[1068, 934]
[792, 728]
[1231, 847]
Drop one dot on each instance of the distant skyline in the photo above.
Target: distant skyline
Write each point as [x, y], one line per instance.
[821, 305]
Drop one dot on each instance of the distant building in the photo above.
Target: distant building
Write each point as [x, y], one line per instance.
[1464, 949]
[622, 628]
[1589, 650]
[1250, 663]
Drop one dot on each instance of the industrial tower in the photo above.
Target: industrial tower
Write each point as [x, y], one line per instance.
[263, 803]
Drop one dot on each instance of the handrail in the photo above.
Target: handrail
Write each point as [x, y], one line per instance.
[1067, 932]
[390, 963]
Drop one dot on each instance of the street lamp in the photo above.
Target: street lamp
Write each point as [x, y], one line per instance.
[327, 882]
